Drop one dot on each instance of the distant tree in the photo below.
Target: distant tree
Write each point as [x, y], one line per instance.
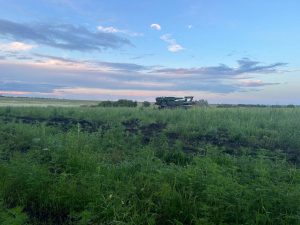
[202, 103]
[119, 103]
[106, 104]
[146, 104]
[277, 106]
[126, 103]
[290, 106]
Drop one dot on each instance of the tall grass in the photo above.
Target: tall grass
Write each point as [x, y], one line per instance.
[198, 166]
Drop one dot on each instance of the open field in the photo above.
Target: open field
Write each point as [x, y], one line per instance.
[43, 102]
[83, 165]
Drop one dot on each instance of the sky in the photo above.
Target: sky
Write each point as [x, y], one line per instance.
[233, 51]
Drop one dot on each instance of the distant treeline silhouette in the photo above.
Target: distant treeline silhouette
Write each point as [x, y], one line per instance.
[254, 106]
[119, 103]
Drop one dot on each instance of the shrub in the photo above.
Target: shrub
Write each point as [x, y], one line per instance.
[290, 106]
[119, 103]
[146, 104]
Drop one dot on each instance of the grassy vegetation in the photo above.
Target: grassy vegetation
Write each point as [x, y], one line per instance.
[146, 166]
[43, 102]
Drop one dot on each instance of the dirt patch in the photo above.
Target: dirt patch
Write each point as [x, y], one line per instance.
[131, 126]
[62, 123]
[152, 130]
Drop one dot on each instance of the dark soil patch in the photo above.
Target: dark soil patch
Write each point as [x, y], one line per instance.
[131, 126]
[152, 130]
[172, 137]
[62, 123]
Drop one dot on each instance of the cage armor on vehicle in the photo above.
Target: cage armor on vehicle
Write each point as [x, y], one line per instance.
[174, 102]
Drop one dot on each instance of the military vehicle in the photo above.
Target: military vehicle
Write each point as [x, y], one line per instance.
[174, 102]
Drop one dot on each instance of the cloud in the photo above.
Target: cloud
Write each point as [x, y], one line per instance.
[123, 66]
[27, 87]
[101, 93]
[155, 26]
[66, 60]
[116, 30]
[9, 53]
[173, 45]
[22, 57]
[255, 83]
[15, 93]
[245, 66]
[190, 26]
[67, 77]
[92, 64]
[63, 36]
[142, 56]
[15, 46]
[175, 48]
[108, 29]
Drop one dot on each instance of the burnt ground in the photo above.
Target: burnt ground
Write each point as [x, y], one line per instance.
[62, 123]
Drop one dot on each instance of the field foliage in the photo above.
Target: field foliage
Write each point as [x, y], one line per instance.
[141, 165]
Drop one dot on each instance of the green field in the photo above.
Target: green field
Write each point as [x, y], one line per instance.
[43, 102]
[95, 165]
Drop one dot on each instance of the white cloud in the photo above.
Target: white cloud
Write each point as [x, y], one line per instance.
[190, 26]
[111, 29]
[16, 46]
[173, 45]
[175, 48]
[108, 29]
[155, 26]
[255, 83]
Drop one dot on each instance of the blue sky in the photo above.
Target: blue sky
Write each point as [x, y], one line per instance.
[235, 51]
